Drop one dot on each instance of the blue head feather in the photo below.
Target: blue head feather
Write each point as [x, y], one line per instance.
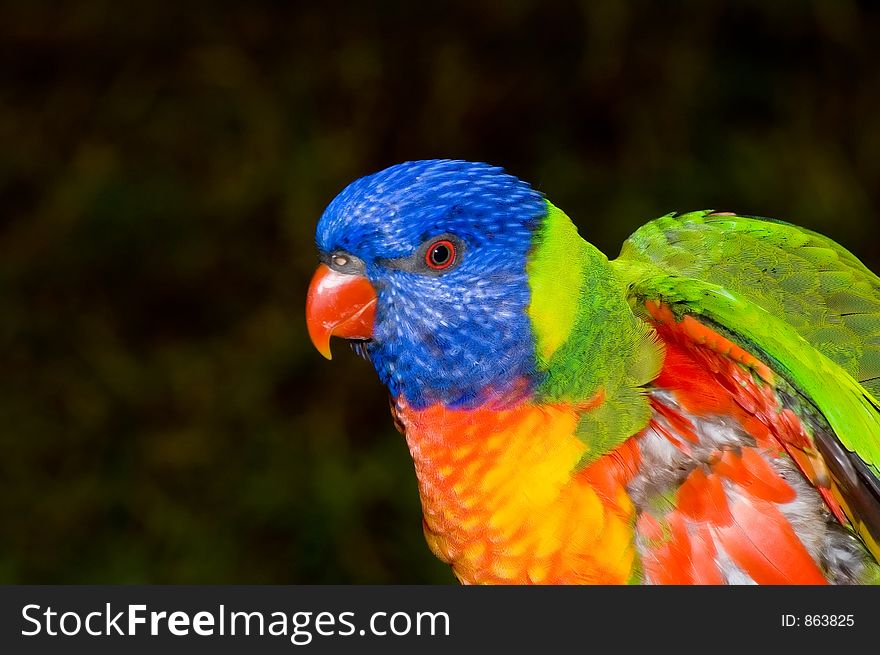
[461, 337]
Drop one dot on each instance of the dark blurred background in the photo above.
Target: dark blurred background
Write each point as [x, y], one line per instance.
[163, 416]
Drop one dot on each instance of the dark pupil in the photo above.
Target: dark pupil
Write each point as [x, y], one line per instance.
[440, 254]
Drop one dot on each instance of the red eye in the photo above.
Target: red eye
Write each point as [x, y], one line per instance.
[440, 255]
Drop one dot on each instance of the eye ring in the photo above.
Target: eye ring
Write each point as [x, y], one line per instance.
[440, 255]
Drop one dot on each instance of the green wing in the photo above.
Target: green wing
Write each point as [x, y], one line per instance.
[818, 287]
[789, 295]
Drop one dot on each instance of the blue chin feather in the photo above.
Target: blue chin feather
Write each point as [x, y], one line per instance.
[460, 337]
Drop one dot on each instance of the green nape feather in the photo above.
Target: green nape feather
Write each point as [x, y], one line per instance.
[798, 298]
[575, 296]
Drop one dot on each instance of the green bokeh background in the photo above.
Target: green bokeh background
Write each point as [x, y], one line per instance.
[163, 417]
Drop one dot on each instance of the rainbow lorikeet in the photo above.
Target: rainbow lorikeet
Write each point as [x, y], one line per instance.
[702, 409]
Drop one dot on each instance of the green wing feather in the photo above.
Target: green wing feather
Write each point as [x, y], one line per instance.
[821, 289]
[803, 301]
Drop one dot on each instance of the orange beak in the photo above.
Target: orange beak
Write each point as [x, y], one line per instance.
[339, 305]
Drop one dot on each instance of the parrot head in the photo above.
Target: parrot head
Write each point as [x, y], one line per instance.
[424, 270]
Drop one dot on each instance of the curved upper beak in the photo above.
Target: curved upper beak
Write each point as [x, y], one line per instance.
[339, 305]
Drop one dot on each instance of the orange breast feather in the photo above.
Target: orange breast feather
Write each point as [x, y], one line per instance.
[502, 503]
